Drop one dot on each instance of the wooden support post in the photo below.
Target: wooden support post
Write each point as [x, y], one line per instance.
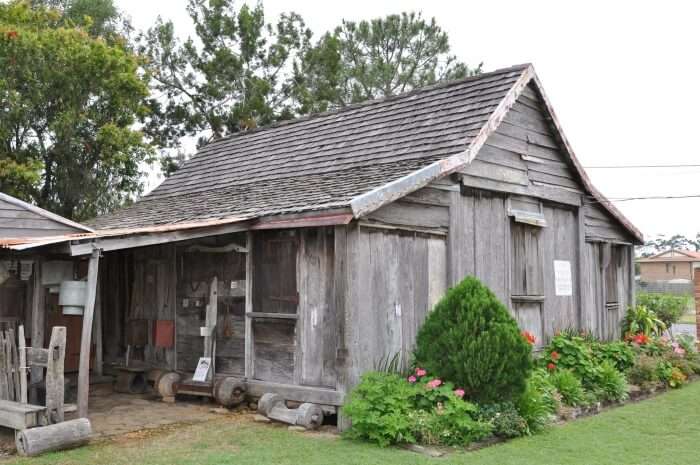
[55, 363]
[22, 348]
[98, 331]
[38, 320]
[583, 320]
[86, 337]
[210, 323]
[249, 307]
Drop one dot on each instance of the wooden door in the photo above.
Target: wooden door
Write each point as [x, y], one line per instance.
[74, 328]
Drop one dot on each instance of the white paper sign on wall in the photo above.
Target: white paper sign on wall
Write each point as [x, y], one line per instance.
[562, 278]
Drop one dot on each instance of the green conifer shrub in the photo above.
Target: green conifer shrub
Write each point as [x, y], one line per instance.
[471, 340]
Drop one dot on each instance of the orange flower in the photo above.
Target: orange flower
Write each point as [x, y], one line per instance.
[529, 337]
[555, 355]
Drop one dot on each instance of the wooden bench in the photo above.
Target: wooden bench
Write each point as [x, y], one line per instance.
[22, 416]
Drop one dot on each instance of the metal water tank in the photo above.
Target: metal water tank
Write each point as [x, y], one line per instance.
[71, 297]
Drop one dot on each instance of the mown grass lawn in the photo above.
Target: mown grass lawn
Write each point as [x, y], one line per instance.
[664, 430]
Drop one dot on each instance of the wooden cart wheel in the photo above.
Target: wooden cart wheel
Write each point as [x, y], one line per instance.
[268, 401]
[229, 392]
[310, 416]
[166, 383]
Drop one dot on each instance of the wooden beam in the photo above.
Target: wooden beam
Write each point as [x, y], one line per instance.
[86, 337]
[210, 324]
[583, 322]
[38, 319]
[278, 316]
[249, 307]
[22, 348]
[98, 331]
[323, 396]
[141, 240]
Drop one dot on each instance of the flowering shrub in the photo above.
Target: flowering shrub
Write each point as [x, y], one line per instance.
[504, 419]
[470, 339]
[380, 407]
[387, 409]
[644, 371]
[572, 353]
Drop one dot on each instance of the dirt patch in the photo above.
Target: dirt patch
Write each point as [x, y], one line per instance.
[125, 417]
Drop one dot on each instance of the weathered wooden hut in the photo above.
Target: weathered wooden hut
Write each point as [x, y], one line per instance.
[20, 283]
[324, 241]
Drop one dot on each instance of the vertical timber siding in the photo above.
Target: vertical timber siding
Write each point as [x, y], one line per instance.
[394, 278]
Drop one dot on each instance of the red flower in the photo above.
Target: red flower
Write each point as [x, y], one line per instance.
[12, 34]
[555, 355]
[641, 339]
[551, 366]
[529, 337]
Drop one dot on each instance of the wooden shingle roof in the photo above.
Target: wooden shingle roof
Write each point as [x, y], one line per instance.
[322, 161]
[359, 158]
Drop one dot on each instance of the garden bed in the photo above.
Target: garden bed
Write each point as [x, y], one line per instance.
[476, 380]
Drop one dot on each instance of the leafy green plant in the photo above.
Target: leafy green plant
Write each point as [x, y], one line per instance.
[667, 307]
[505, 420]
[450, 423]
[538, 404]
[642, 320]
[619, 353]
[612, 385]
[664, 371]
[687, 343]
[471, 339]
[386, 408]
[569, 387]
[380, 409]
[572, 353]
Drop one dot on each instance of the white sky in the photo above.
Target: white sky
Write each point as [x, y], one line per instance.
[621, 76]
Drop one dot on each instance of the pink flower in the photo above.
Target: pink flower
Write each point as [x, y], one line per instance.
[679, 350]
[412, 379]
[459, 393]
[432, 384]
[420, 372]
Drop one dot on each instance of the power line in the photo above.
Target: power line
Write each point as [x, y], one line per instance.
[615, 167]
[653, 197]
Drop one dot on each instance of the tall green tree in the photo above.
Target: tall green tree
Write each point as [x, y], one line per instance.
[231, 77]
[100, 18]
[69, 102]
[374, 59]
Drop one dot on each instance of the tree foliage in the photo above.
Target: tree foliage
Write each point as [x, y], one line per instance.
[99, 18]
[69, 103]
[232, 77]
[662, 243]
[373, 59]
[241, 71]
[470, 339]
